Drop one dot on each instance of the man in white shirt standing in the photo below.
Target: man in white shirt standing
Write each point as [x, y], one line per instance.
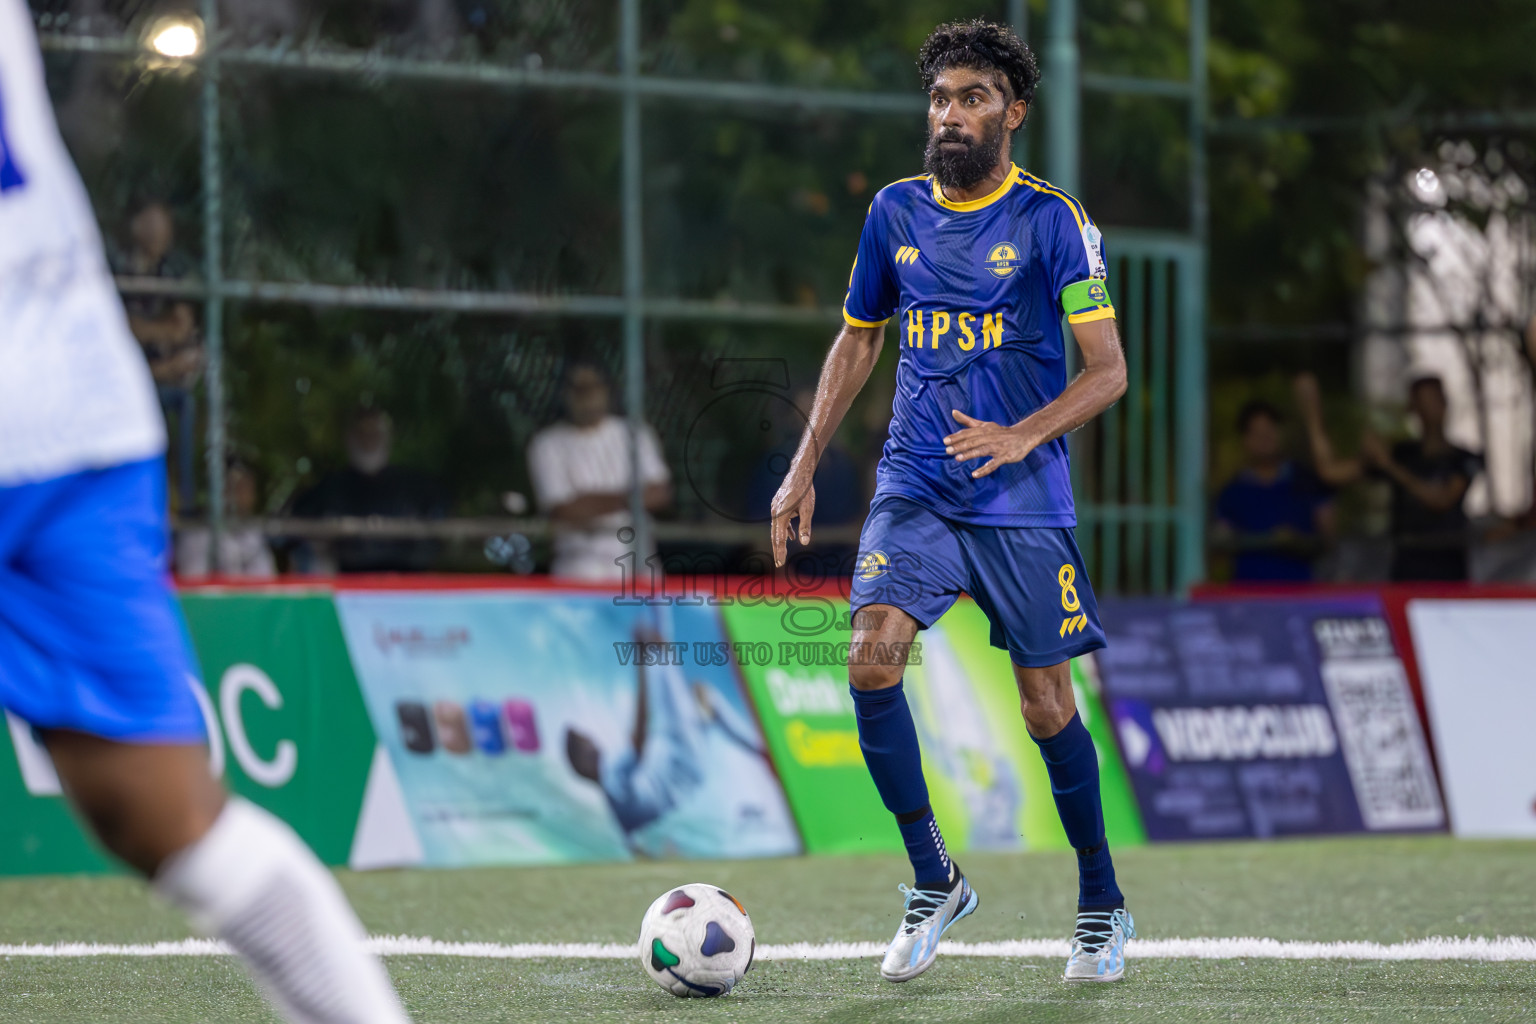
[581, 473]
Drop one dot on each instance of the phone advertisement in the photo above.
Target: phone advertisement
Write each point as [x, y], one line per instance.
[538, 728]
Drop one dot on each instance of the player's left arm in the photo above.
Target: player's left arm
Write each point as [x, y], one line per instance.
[1436, 495]
[1099, 386]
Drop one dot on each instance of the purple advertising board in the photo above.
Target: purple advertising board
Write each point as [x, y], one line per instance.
[1261, 718]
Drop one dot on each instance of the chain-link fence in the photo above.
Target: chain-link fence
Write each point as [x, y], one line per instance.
[396, 229]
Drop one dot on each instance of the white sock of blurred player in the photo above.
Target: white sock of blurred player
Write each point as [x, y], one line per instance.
[251, 881]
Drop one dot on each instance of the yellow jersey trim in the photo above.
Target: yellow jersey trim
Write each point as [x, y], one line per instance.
[898, 181]
[1102, 313]
[1041, 185]
[1014, 177]
[854, 321]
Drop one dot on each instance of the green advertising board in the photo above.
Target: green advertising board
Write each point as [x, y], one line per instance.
[808, 724]
[287, 730]
[295, 735]
[290, 730]
[41, 834]
[987, 784]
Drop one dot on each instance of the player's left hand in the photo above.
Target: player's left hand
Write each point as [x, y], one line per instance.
[980, 439]
[1374, 450]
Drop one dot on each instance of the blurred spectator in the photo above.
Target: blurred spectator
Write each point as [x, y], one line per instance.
[254, 22]
[167, 330]
[243, 550]
[1274, 516]
[1525, 521]
[580, 470]
[840, 499]
[1429, 478]
[371, 487]
[427, 28]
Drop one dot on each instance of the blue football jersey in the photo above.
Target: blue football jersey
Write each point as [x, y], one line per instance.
[977, 290]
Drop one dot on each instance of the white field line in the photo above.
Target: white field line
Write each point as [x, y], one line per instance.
[1498, 950]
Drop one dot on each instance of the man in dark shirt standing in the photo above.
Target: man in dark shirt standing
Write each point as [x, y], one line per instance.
[1429, 478]
[371, 487]
[1273, 515]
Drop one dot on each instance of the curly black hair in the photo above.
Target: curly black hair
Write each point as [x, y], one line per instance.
[1254, 409]
[982, 46]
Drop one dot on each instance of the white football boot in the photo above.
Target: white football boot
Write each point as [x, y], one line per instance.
[1098, 948]
[929, 914]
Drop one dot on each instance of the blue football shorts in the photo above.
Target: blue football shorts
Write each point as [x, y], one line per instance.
[91, 637]
[1029, 580]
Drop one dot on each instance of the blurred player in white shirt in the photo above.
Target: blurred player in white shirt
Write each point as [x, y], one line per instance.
[92, 648]
[581, 473]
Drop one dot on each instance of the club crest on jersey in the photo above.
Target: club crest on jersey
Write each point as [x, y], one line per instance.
[873, 565]
[1002, 259]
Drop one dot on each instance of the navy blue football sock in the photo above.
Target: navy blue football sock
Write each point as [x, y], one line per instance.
[1073, 766]
[925, 849]
[888, 738]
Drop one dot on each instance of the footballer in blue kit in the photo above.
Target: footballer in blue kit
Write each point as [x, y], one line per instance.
[977, 264]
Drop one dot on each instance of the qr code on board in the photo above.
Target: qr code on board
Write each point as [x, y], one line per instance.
[1383, 743]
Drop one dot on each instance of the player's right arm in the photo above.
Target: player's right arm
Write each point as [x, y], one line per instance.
[173, 328]
[847, 367]
[872, 297]
[1328, 466]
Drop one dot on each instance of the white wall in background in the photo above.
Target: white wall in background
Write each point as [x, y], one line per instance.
[1477, 660]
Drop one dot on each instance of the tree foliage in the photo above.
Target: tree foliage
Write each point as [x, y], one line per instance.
[429, 185]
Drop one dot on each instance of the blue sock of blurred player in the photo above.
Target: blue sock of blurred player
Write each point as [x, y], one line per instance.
[1073, 765]
[888, 737]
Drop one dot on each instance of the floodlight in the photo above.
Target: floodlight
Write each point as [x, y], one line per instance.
[177, 38]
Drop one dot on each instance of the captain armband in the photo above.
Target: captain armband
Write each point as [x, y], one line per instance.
[1086, 301]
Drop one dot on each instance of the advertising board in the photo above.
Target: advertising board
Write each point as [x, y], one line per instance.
[530, 728]
[987, 784]
[1477, 660]
[286, 726]
[1266, 718]
[444, 727]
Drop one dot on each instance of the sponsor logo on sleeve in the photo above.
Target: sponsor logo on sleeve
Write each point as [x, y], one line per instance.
[1093, 244]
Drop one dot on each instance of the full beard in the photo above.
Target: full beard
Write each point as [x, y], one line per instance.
[963, 168]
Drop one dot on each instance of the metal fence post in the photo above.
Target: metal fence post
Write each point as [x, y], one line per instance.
[1192, 365]
[634, 281]
[1061, 95]
[1060, 81]
[1189, 427]
[213, 271]
[1199, 210]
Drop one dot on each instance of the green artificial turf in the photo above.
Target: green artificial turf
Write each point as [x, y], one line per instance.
[1380, 889]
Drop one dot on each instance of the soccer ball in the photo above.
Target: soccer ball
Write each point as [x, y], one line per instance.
[697, 940]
